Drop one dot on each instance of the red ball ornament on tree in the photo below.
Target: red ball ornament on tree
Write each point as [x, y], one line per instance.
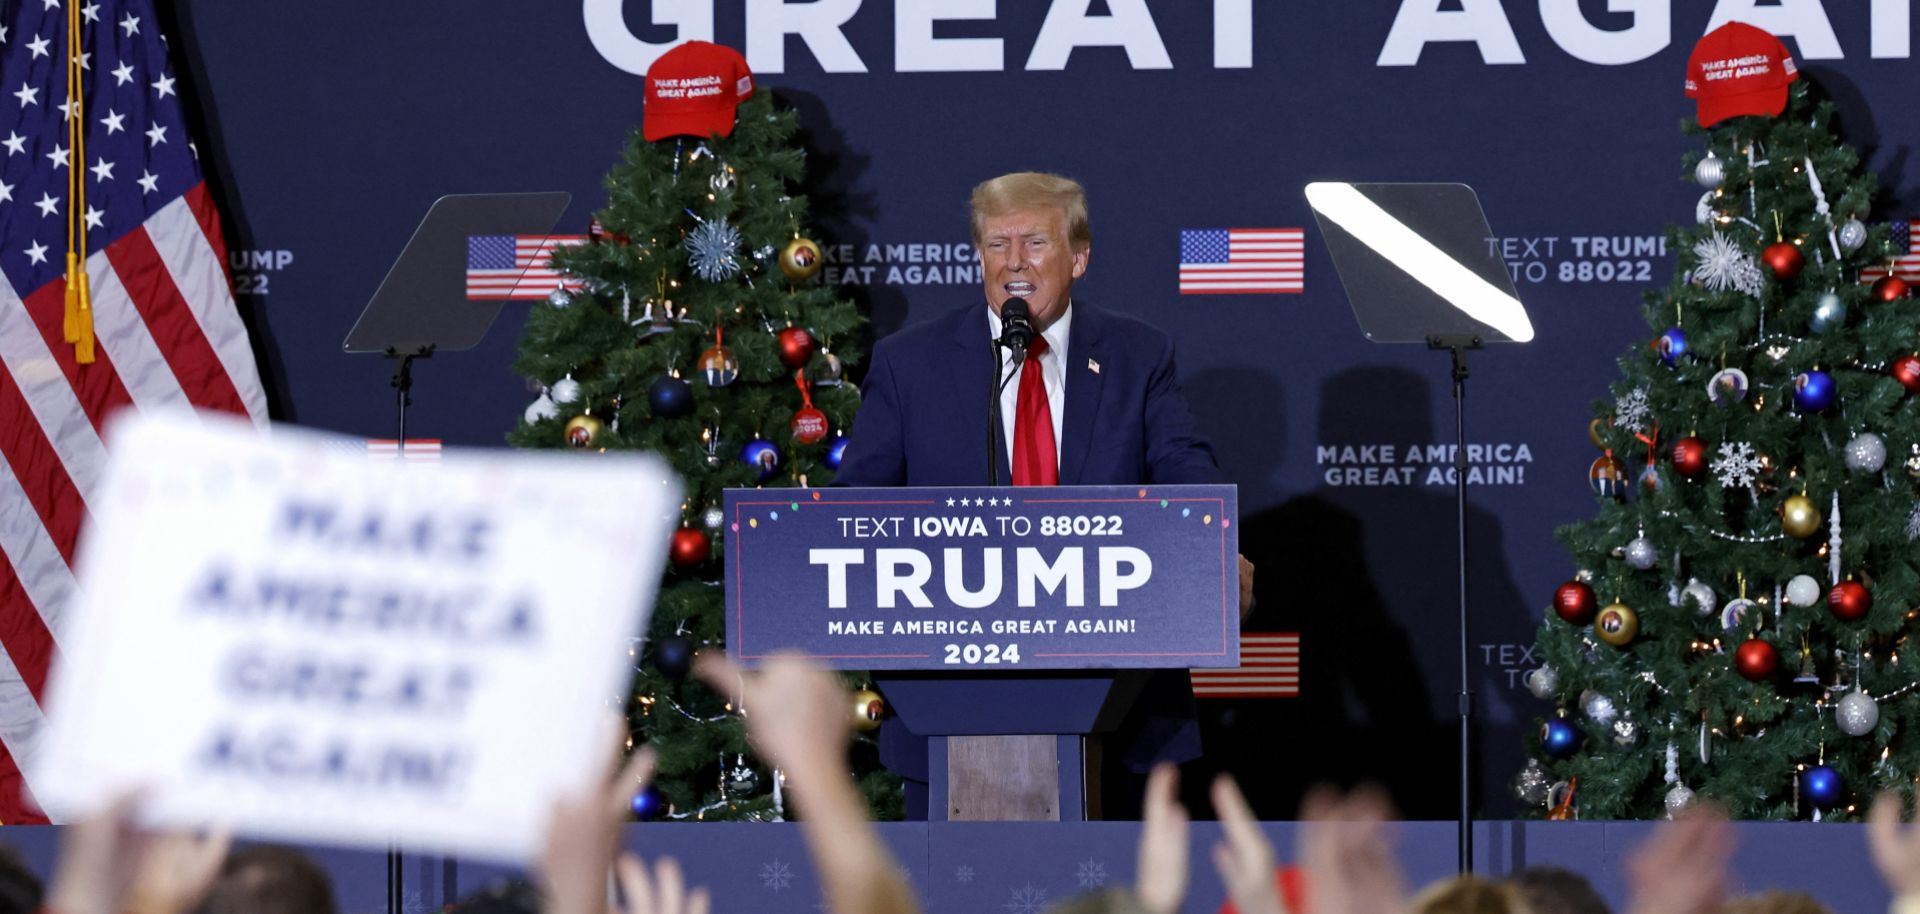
[1756, 660]
[1890, 288]
[1906, 370]
[1690, 457]
[690, 547]
[796, 347]
[1574, 601]
[1849, 601]
[1784, 259]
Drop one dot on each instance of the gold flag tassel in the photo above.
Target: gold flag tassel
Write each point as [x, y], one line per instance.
[79, 314]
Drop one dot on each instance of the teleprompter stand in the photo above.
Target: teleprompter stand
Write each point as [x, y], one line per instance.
[1417, 267]
[423, 306]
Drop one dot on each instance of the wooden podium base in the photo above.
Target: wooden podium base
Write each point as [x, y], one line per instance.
[1003, 778]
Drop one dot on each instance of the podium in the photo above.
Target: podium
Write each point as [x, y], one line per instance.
[1003, 625]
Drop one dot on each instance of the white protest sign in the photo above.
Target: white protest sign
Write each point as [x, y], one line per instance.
[279, 634]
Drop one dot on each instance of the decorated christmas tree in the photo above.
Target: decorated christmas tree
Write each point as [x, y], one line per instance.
[692, 328]
[1740, 624]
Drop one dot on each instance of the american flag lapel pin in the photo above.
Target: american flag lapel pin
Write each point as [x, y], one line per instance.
[1093, 366]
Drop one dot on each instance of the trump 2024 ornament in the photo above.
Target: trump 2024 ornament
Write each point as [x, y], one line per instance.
[1849, 601]
[1574, 602]
[795, 346]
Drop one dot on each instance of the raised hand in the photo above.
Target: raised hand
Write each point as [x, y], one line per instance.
[1346, 853]
[1896, 848]
[1245, 856]
[1682, 869]
[584, 834]
[1160, 875]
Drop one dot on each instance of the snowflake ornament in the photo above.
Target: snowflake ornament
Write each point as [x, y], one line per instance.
[711, 250]
[1737, 465]
[1723, 265]
[1631, 412]
[1913, 523]
[776, 875]
[1026, 900]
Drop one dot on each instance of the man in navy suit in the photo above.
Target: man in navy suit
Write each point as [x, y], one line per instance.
[1096, 402]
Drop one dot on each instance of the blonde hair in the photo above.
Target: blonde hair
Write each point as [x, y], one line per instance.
[1471, 895]
[1031, 190]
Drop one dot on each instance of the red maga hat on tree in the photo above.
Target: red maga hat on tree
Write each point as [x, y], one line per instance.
[1738, 69]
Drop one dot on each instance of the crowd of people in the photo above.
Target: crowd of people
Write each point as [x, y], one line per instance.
[1345, 862]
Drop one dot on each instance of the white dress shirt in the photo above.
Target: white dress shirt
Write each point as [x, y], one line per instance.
[1052, 373]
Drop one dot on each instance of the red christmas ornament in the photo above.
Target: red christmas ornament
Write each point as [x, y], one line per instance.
[1849, 601]
[796, 347]
[1574, 602]
[809, 425]
[1784, 259]
[1906, 370]
[1690, 457]
[1890, 288]
[1756, 660]
[690, 547]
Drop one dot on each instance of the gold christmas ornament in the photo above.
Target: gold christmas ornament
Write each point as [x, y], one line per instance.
[868, 708]
[801, 258]
[1617, 625]
[584, 432]
[1799, 517]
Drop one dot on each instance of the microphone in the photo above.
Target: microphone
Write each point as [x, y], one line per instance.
[1016, 327]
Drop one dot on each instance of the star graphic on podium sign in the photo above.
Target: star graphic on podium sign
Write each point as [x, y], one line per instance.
[949, 502]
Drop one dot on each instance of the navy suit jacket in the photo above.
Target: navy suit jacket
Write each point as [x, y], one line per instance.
[923, 408]
[923, 422]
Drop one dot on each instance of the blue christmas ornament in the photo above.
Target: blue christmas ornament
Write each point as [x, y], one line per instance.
[763, 454]
[835, 451]
[648, 803]
[1822, 786]
[1813, 391]
[1559, 737]
[670, 397]
[1671, 345]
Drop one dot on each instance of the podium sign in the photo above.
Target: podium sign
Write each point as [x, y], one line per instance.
[990, 579]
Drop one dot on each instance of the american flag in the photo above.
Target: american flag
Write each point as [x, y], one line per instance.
[418, 450]
[163, 315]
[1269, 668]
[517, 267]
[1241, 261]
[1906, 263]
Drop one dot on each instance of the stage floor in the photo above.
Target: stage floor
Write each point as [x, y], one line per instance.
[1020, 868]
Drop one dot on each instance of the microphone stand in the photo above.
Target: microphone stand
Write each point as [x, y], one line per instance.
[993, 420]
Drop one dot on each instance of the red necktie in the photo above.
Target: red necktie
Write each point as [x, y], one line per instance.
[1034, 463]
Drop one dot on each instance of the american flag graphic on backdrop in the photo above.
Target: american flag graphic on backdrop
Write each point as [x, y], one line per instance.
[516, 267]
[1269, 668]
[163, 311]
[1905, 263]
[1242, 261]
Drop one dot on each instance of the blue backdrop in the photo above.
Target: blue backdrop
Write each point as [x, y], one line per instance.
[330, 129]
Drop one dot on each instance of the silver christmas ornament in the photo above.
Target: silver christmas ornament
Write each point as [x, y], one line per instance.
[713, 517]
[1853, 234]
[560, 298]
[1641, 554]
[1857, 714]
[1803, 590]
[1543, 682]
[830, 371]
[543, 408]
[721, 182]
[1828, 313]
[565, 390]
[1678, 800]
[1625, 732]
[1700, 595]
[1866, 453]
[1913, 462]
[1530, 785]
[1598, 708]
[1711, 172]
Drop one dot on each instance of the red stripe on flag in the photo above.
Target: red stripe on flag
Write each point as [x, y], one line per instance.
[200, 203]
[172, 324]
[24, 634]
[26, 448]
[97, 385]
[17, 806]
